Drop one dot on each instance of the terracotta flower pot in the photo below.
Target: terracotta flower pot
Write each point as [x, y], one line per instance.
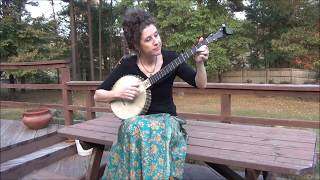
[37, 118]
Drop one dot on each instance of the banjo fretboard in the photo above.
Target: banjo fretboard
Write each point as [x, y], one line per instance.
[186, 55]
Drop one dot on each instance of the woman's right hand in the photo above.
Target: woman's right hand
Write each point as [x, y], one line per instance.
[128, 93]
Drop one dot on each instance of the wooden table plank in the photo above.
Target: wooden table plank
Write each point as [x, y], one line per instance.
[97, 128]
[251, 140]
[112, 121]
[88, 136]
[112, 127]
[217, 141]
[240, 159]
[246, 128]
[303, 156]
[254, 133]
[279, 150]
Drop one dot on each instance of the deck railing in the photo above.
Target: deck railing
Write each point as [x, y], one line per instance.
[225, 90]
[64, 76]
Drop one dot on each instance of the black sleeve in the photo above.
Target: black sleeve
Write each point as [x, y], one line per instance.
[117, 73]
[184, 71]
[187, 73]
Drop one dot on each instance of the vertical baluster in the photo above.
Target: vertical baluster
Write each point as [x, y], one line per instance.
[226, 106]
[89, 105]
[66, 96]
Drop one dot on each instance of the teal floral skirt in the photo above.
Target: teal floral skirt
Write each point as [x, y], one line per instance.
[148, 147]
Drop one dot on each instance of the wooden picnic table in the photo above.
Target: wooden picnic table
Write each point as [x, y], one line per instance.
[266, 150]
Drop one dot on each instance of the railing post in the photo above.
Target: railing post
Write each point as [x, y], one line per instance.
[89, 105]
[225, 106]
[66, 96]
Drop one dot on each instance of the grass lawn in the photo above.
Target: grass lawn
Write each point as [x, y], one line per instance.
[253, 106]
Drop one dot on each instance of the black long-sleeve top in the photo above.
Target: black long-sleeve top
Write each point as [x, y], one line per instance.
[161, 91]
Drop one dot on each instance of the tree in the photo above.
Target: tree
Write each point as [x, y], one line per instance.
[190, 20]
[282, 31]
[300, 44]
[90, 40]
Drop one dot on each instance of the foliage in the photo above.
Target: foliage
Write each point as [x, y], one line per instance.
[28, 39]
[190, 20]
[275, 33]
[31, 76]
[283, 33]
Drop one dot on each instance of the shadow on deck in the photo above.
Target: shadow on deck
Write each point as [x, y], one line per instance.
[41, 154]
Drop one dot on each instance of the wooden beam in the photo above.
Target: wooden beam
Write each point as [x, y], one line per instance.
[252, 120]
[32, 86]
[14, 104]
[35, 65]
[243, 86]
[93, 169]
[225, 171]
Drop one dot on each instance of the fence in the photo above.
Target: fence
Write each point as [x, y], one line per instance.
[63, 69]
[271, 76]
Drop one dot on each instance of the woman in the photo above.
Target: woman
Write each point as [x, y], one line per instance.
[151, 146]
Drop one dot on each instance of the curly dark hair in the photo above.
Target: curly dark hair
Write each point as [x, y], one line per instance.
[134, 21]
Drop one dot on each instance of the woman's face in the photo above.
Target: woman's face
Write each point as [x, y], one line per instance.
[150, 41]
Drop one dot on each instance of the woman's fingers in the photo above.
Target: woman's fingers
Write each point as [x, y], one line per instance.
[202, 53]
[202, 48]
[130, 93]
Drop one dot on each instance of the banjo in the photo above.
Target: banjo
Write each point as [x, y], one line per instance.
[124, 109]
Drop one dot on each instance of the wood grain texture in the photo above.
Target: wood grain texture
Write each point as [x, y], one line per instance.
[275, 149]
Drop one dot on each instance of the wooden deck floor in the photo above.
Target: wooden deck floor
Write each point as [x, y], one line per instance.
[14, 132]
[73, 166]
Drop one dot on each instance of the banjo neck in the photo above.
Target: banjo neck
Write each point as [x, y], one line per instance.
[223, 31]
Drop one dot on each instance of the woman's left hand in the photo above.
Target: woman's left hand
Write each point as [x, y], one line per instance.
[202, 53]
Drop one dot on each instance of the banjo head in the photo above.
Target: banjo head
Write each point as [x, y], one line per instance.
[125, 109]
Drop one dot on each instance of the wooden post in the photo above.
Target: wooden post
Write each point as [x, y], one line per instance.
[66, 96]
[89, 105]
[93, 169]
[225, 106]
[291, 74]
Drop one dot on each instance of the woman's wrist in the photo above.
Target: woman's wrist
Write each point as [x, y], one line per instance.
[200, 64]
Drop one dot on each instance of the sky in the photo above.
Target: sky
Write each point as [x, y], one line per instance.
[45, 8]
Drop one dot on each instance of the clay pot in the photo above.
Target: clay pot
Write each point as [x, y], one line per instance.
[37, 118]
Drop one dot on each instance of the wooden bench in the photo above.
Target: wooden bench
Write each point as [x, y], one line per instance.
[266, 150]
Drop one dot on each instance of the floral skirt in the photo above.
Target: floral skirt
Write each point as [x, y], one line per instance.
[148, 147]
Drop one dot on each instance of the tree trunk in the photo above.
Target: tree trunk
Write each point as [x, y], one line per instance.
[100, 42]
[54, 18]
[219, 76]
[90, 40]
[73, 42]
[110, 40]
